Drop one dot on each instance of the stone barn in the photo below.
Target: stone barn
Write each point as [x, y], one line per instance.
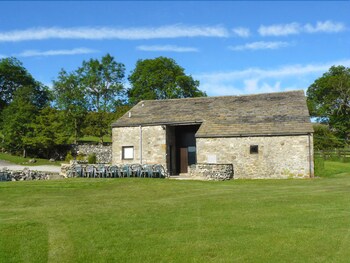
[259, 136]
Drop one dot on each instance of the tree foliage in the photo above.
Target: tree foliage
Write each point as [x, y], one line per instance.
[329, 100]
[324, 138]
[161, 78]
[98, 124]
[89, 94]
[70, 97]
[50, 130]
[18, 117]
[14, 76]
[103, 82]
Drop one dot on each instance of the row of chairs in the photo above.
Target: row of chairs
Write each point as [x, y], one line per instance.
[115, 171]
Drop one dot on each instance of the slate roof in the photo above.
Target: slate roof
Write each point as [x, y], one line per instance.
[279, 113]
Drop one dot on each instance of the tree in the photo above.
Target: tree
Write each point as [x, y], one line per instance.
[324, 138]
[329, 100]
[12, 76]
[102, 81]
[18, 117]
[49, 130]
[99, 123]
[71, 98]
[161, 78]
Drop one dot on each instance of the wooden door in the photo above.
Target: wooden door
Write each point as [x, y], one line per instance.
[183, 160]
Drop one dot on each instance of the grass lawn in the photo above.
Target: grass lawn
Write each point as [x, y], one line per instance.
[159, 220]
[21, 160]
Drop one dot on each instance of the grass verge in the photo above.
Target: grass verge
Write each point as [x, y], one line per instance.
[25, 161]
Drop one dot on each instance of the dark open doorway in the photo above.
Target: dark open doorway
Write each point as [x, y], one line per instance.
[181, 148]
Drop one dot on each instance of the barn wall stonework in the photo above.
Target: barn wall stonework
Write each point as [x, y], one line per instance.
[153, 144]
[277, 157]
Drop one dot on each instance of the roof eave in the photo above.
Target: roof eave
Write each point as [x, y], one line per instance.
[253, 135]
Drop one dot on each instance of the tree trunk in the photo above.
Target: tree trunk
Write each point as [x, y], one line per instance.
[24, 152]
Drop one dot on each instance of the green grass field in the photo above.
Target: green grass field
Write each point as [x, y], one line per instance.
[159, 220]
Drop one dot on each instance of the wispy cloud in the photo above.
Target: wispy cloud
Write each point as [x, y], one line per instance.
[326, 26]
[241, 31]
[258, 80]
[297, 28]
[2, 56]
[260, 45]
[167, 48]
[99, 33]
[59, 52]
[279, 30]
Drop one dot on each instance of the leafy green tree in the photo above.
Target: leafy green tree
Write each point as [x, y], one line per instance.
[12, 76]
[49, 130]
[18, 117]
[161, 78]
[324, 138]
[329, 100]
[103, 82]
[99, 124]
[71, 98]
[92, 91]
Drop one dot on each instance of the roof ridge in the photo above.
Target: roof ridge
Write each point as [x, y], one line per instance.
[225, 96]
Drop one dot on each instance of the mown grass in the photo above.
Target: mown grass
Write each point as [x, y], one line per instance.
[155, 220]
[25, 161]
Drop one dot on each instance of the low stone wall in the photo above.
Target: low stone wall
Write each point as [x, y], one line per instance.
[26, 175]
[103, 152]
[216, 172]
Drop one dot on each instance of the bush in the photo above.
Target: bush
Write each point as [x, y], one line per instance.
[69, 157]
[92, 158]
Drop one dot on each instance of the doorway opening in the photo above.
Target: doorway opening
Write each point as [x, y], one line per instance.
[181, 142]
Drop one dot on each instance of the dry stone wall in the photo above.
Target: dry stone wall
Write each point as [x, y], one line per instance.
[277, 157]
[103, 152]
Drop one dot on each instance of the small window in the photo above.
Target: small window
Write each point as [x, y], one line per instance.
[128, 152]
[254, 149]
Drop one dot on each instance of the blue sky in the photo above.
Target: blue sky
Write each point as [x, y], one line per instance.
[231, 47]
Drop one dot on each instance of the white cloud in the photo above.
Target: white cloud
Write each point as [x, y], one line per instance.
[280, 72]
[98, 33]
[167, 48]
[279, 30]
[260, 45]
[2, 56]
[59, 52]
[297, 28]
[258, 80]
[241, 31]
[326, 26]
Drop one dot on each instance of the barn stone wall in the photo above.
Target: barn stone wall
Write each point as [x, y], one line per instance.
[277, 157]
[153, 144]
